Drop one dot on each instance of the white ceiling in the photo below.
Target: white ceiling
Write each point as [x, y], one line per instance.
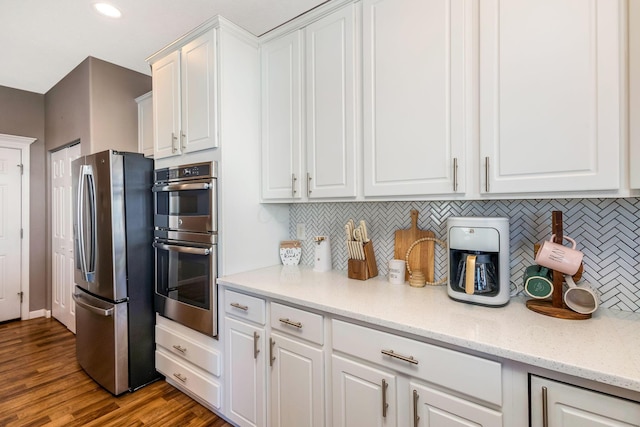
[43, 40]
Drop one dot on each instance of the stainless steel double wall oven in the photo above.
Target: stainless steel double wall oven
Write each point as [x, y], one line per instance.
[185, 242]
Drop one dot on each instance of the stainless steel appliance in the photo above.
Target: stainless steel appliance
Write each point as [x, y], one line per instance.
[113, 229]
[185, 242]
[479, 260]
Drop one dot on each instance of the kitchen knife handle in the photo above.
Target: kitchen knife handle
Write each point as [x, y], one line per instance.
[545, 408]
[455, 174]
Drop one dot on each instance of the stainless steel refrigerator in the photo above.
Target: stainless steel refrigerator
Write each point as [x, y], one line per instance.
[114, 266]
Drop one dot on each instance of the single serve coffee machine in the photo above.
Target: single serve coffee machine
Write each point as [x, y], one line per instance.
[479, 260]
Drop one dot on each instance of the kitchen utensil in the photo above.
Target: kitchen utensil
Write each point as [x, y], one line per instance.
[558, 257]
[477, 273]
[581, 299]
[422, 257]
[538, 282]
[396, 271]
[365, 232]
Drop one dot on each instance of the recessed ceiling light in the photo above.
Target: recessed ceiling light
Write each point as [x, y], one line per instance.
[108, 10]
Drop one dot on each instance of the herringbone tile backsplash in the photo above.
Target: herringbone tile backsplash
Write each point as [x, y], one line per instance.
[606, 230]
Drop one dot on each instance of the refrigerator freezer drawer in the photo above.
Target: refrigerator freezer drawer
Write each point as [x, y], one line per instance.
[102, 341]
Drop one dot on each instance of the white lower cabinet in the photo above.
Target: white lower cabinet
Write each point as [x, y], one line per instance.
[190, 361]
[245, 360]
[555, 404]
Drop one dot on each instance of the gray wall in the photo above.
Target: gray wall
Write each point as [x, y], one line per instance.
[22, 114]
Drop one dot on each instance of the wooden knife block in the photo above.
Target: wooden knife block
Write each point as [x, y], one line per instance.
[363, 270]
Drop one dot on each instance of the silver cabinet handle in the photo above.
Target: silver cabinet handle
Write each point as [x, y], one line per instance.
[291, 323]
[239, 306]
[385, 405]
[272, 358]
[181, 349]
[455, 174]
[486, 174]
[182, 143]
[308, 184]
[174, 138]
[416, 418]
[180, 377]
[182, 249]
[256, 350]
[391, 353]
[293, 184]
[545, 409]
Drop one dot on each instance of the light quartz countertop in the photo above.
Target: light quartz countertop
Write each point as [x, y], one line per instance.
[605, 348]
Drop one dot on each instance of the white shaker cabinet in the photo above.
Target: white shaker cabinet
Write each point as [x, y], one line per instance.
[550, 95]
[145, 124]
[310, 110]
[417, 79]
[555, 404]
[184, 101]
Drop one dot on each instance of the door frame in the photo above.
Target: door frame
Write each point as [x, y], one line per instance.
[23, 144]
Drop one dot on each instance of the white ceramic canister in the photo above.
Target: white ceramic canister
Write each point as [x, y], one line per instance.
[322, 255]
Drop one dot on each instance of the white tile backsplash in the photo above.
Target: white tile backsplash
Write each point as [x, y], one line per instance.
[606, 230]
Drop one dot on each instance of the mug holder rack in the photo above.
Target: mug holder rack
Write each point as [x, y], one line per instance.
[556, 306]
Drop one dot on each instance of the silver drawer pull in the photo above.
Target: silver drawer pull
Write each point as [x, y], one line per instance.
[180, 377]
[291, 323]
[181, 349]
[240, 306]
[390, 353]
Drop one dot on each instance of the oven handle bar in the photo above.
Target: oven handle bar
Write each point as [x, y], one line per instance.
[183, 249]
[181, 187]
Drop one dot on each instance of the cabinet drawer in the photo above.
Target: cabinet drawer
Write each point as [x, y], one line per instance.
[196, 383]
[470, 375]
[181, 346]
[244, 306]
[297, 322]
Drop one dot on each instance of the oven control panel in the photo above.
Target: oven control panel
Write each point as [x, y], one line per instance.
[187, 172]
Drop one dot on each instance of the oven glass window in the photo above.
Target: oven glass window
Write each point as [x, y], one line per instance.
[184, 203]
[184, 277]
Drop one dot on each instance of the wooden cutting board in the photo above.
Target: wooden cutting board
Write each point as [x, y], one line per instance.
[422, 256]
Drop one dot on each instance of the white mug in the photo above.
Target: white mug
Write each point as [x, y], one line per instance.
[396, 271]
[581, 299]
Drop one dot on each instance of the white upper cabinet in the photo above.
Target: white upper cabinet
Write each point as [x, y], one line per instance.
[145, 124]
[634, 93]
[550, 95]
[331, 101]
[282, 117]
[184, 104]
[417, 85]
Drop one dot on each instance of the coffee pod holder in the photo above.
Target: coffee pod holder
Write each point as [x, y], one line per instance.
[556, 306]
[363, 269]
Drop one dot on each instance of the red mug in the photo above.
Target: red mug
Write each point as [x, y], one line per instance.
[558, 257]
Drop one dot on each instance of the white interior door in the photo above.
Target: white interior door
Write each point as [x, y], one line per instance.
[62, 305]
[10, 233]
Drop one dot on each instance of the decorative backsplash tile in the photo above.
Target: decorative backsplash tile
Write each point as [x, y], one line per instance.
[606, 230]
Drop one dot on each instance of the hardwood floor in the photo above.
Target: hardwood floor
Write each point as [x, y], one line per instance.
[41, 384]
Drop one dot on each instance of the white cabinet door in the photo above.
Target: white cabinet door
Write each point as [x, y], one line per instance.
[550, 82]
[145, 124]
[417, 57]
[166, 105]
[331, 105]
[433, 408]
[363, 396]
[198, 85]
[246, 373]
[570, 406]
[297, 383]
[282, 118]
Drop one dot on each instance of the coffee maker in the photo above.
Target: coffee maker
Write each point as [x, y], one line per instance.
[478, 261]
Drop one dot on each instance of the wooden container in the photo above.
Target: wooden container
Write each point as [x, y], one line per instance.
[363, 269]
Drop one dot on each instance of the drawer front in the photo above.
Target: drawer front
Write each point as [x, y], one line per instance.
[181, 346]
[245, 307]
[196, 383]
[470, 375]
[298, 323]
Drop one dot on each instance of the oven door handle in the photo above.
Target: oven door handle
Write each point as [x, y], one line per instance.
[181, 187]
[183, 249]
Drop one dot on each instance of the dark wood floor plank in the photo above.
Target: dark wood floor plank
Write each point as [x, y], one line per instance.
[43, 386]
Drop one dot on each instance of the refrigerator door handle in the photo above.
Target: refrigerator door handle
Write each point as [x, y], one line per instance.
[106, 312]
[86, 177]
